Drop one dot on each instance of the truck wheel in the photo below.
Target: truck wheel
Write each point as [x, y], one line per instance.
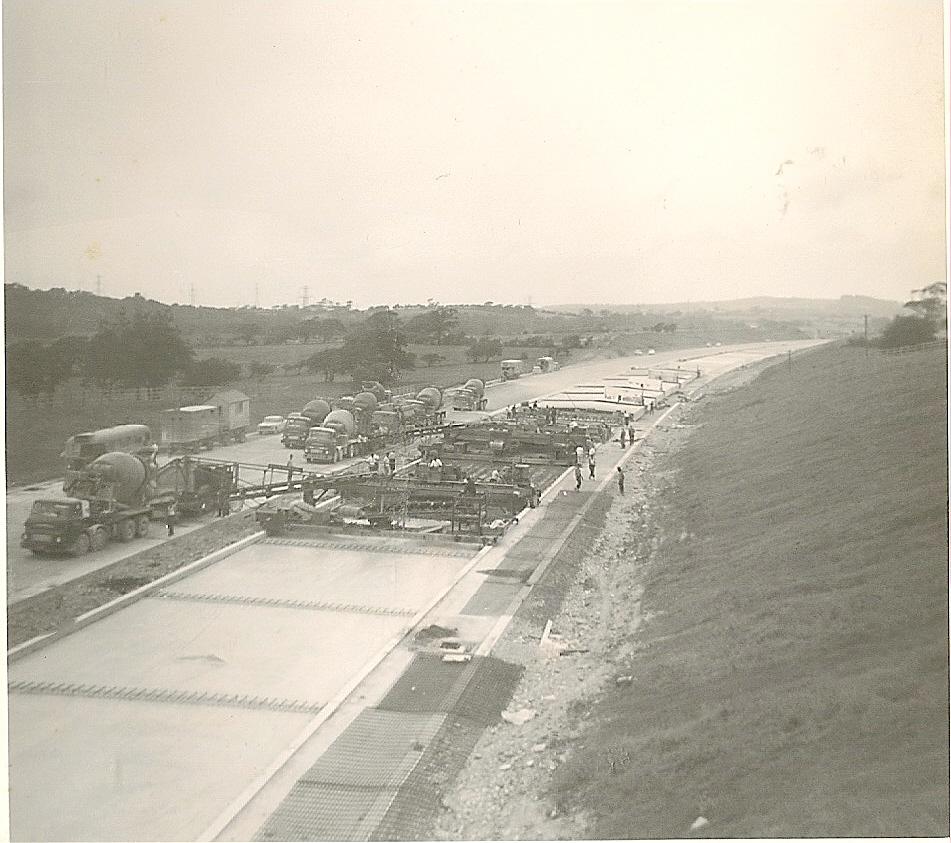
[98, 538]
[80, 546]
[142, 525]
[126, 530]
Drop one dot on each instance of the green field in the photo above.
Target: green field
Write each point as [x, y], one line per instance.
[791, 676]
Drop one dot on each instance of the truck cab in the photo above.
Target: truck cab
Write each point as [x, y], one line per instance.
[325, 444]
[511, 369]
[295, 431]
[57, 525]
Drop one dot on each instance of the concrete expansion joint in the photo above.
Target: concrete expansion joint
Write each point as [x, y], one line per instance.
[162, 695]
[282, 603]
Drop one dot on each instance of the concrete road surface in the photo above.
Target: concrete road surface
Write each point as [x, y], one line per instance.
[159, 715]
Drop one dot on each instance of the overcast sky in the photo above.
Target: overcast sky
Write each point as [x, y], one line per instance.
[395, 152]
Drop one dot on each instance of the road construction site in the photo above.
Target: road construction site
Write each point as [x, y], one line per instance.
[321, 678]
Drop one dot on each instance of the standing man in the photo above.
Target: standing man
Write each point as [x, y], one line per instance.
[170, 519]
[620, 480]
[578, 478]
[374, 464]
[591, 462]
[224, 501]
[623, 437]
[579, 456]
[391, 459]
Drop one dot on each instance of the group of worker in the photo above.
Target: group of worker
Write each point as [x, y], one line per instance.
[385, 464]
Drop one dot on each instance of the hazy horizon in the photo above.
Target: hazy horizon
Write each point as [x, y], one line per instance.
[617, 153]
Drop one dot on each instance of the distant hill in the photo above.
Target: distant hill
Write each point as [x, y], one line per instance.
[46, 315]
[773, 307]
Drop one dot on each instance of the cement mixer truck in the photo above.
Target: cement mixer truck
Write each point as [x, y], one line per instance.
[112, 498]
[470, 396]
[431, 399]
[335, 439]
[299, 424]
[295, 431]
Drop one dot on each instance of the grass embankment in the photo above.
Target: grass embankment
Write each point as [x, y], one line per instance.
[792, 676]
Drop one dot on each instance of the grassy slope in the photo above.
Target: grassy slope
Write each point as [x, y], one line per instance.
[795, 674]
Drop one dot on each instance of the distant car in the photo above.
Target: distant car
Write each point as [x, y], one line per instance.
[271, 424]
[709, 344]
[719, 344]
[638, 351]
[651, 351]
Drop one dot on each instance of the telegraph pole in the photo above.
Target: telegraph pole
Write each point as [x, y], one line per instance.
[866, 337]
[98, 285]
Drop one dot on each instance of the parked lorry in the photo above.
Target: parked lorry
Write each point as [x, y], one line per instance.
[548, 364]
[190, 428]
[470, 396]
[82, 448]
[333, 440]
[225, 418]
[295, 431]
[511, 369]
[113, 497]
[234, 414]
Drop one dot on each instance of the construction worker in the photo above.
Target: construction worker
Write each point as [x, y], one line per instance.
[224, 502]
[620, 480]
[374, 462]
[623, 437]
[470, 487]
[435, 468]
[170, 519]
[495, 477]
[591, 453]
[579, 455]
[391, 459]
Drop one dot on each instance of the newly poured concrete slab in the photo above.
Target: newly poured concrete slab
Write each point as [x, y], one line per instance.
[83, 769]
[213, 648]
[266, 625]
[386, 579]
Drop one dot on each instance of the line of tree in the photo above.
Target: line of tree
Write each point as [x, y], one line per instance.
[930, 307]
[144, 351]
